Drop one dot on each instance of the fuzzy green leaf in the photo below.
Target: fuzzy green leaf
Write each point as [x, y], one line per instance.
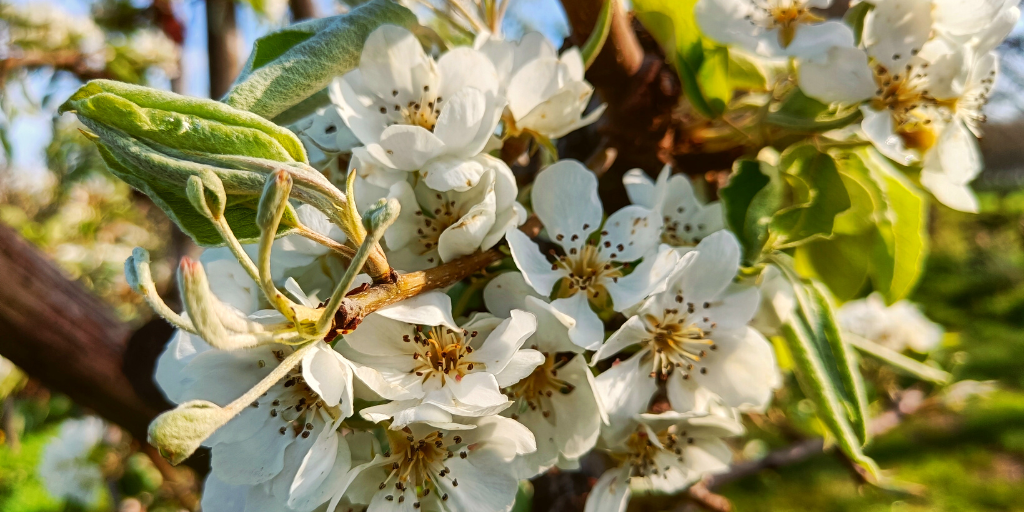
[292, 67]
[801, 113]
[753, 195]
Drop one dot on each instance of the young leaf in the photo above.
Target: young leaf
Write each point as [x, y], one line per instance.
[292, 67]
[801, 113]
[753, 195]
[855, 19]
[600, 34]
[746, 71]
[819, 195]
[826, 366]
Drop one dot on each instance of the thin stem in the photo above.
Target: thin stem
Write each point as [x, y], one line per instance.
[236, 248]
[268, 382]
[338, 247]
[346, 282]
[477, 24]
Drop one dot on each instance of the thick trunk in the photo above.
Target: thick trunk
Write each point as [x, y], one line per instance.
[222, 45]
[61, 334]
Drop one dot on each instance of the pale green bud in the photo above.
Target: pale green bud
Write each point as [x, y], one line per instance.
[178, 433]
[207, 195]
[274, 201]
[380, 216]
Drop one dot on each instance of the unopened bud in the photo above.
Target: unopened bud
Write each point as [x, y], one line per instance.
[178, 433]
[136, 270]
[207, 195]
[380, 216]
[274, 201]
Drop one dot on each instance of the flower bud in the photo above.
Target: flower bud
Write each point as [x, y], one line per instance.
[179, 432]
[274, 201]
[207, 197]
[217, 324]
[380, 216]
[136, 271]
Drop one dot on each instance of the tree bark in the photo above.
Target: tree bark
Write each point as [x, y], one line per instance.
[222, 45]
[302, 9]
[61, 334]
[641, 91]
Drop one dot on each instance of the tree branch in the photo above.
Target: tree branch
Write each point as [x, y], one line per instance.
[64, 60]
[61, 334]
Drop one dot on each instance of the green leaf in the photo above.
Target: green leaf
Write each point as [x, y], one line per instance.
[599, 35]
[713, 78]
[289, 74]
[746, 72]
[905, 231]
[801, 113]
[183, 122]
[156, 172]
[855, 19]
[819, 195]
[843, 263]
[826, 366]
[753, 195]
[306, 107]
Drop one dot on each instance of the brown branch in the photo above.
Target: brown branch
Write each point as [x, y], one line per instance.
[61, 334]
[64, 60]
[302, 9]
[356, 306]
[708, 500]
[222, 44]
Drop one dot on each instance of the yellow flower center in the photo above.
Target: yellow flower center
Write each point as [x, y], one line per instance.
[676, 342]
[417, 464]
[588, 270]
[912, 108]
[422, 112]
[441, 353]
[536, 390]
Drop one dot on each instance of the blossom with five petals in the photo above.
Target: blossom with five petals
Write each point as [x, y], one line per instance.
[686, 220]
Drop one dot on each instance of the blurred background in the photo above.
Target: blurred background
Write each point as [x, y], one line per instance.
[961, 449]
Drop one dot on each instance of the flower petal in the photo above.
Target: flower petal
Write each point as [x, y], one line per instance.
[504, 341]
[565, 199]
[535, 267]
[406, 147]
[328, 375]
[431, 308]
[520, 366]
[842, 77]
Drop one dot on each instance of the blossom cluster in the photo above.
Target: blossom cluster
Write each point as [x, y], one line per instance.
[342, 366]
[423, 405]
[920, 71]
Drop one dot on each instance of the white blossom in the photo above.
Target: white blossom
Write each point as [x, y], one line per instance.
[686, 220]
[596, 258]
[899, 327]
[772, 28]
[546, 93]
[428, 468]
[557, 401]
[415, 114]
[922, 78]
[694, 337]
[66, 469]
[434, 371]
[664, 453]
[435, 227]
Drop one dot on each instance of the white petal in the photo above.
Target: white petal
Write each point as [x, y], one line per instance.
[611, 492]
[894, 29]
[957, 196]
[253, 460]
[393, 58]
[520, 366]
[649, 277]
[878, 128]
[948, 69]
[726, 22]
[218, 495]
[625, 390]
[461, 119]
[378, 335]
[632, 332]
[844, 77]
[357, 106]
[506, 292]
[631, 232]
[504, 341]
[463, 67]
[478, 390]
[531, 85]
[406, 147]
[535, 267]
[742, 371]
[328, 375]
[640, 188]
[485, 484]
[317, 465]
[431, 308]
[813, 42]
[565, 199]
[711, 271]
[452, 173]
[965, 17]
[585, 328]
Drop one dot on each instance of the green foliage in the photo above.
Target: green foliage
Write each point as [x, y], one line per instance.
[881, 238]
[291, 65]
[703, 66]
[826, 368]
[599, 35]
[855, 19]
[818, 197]
[801, 113]
[156, 140]
[753, 195]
